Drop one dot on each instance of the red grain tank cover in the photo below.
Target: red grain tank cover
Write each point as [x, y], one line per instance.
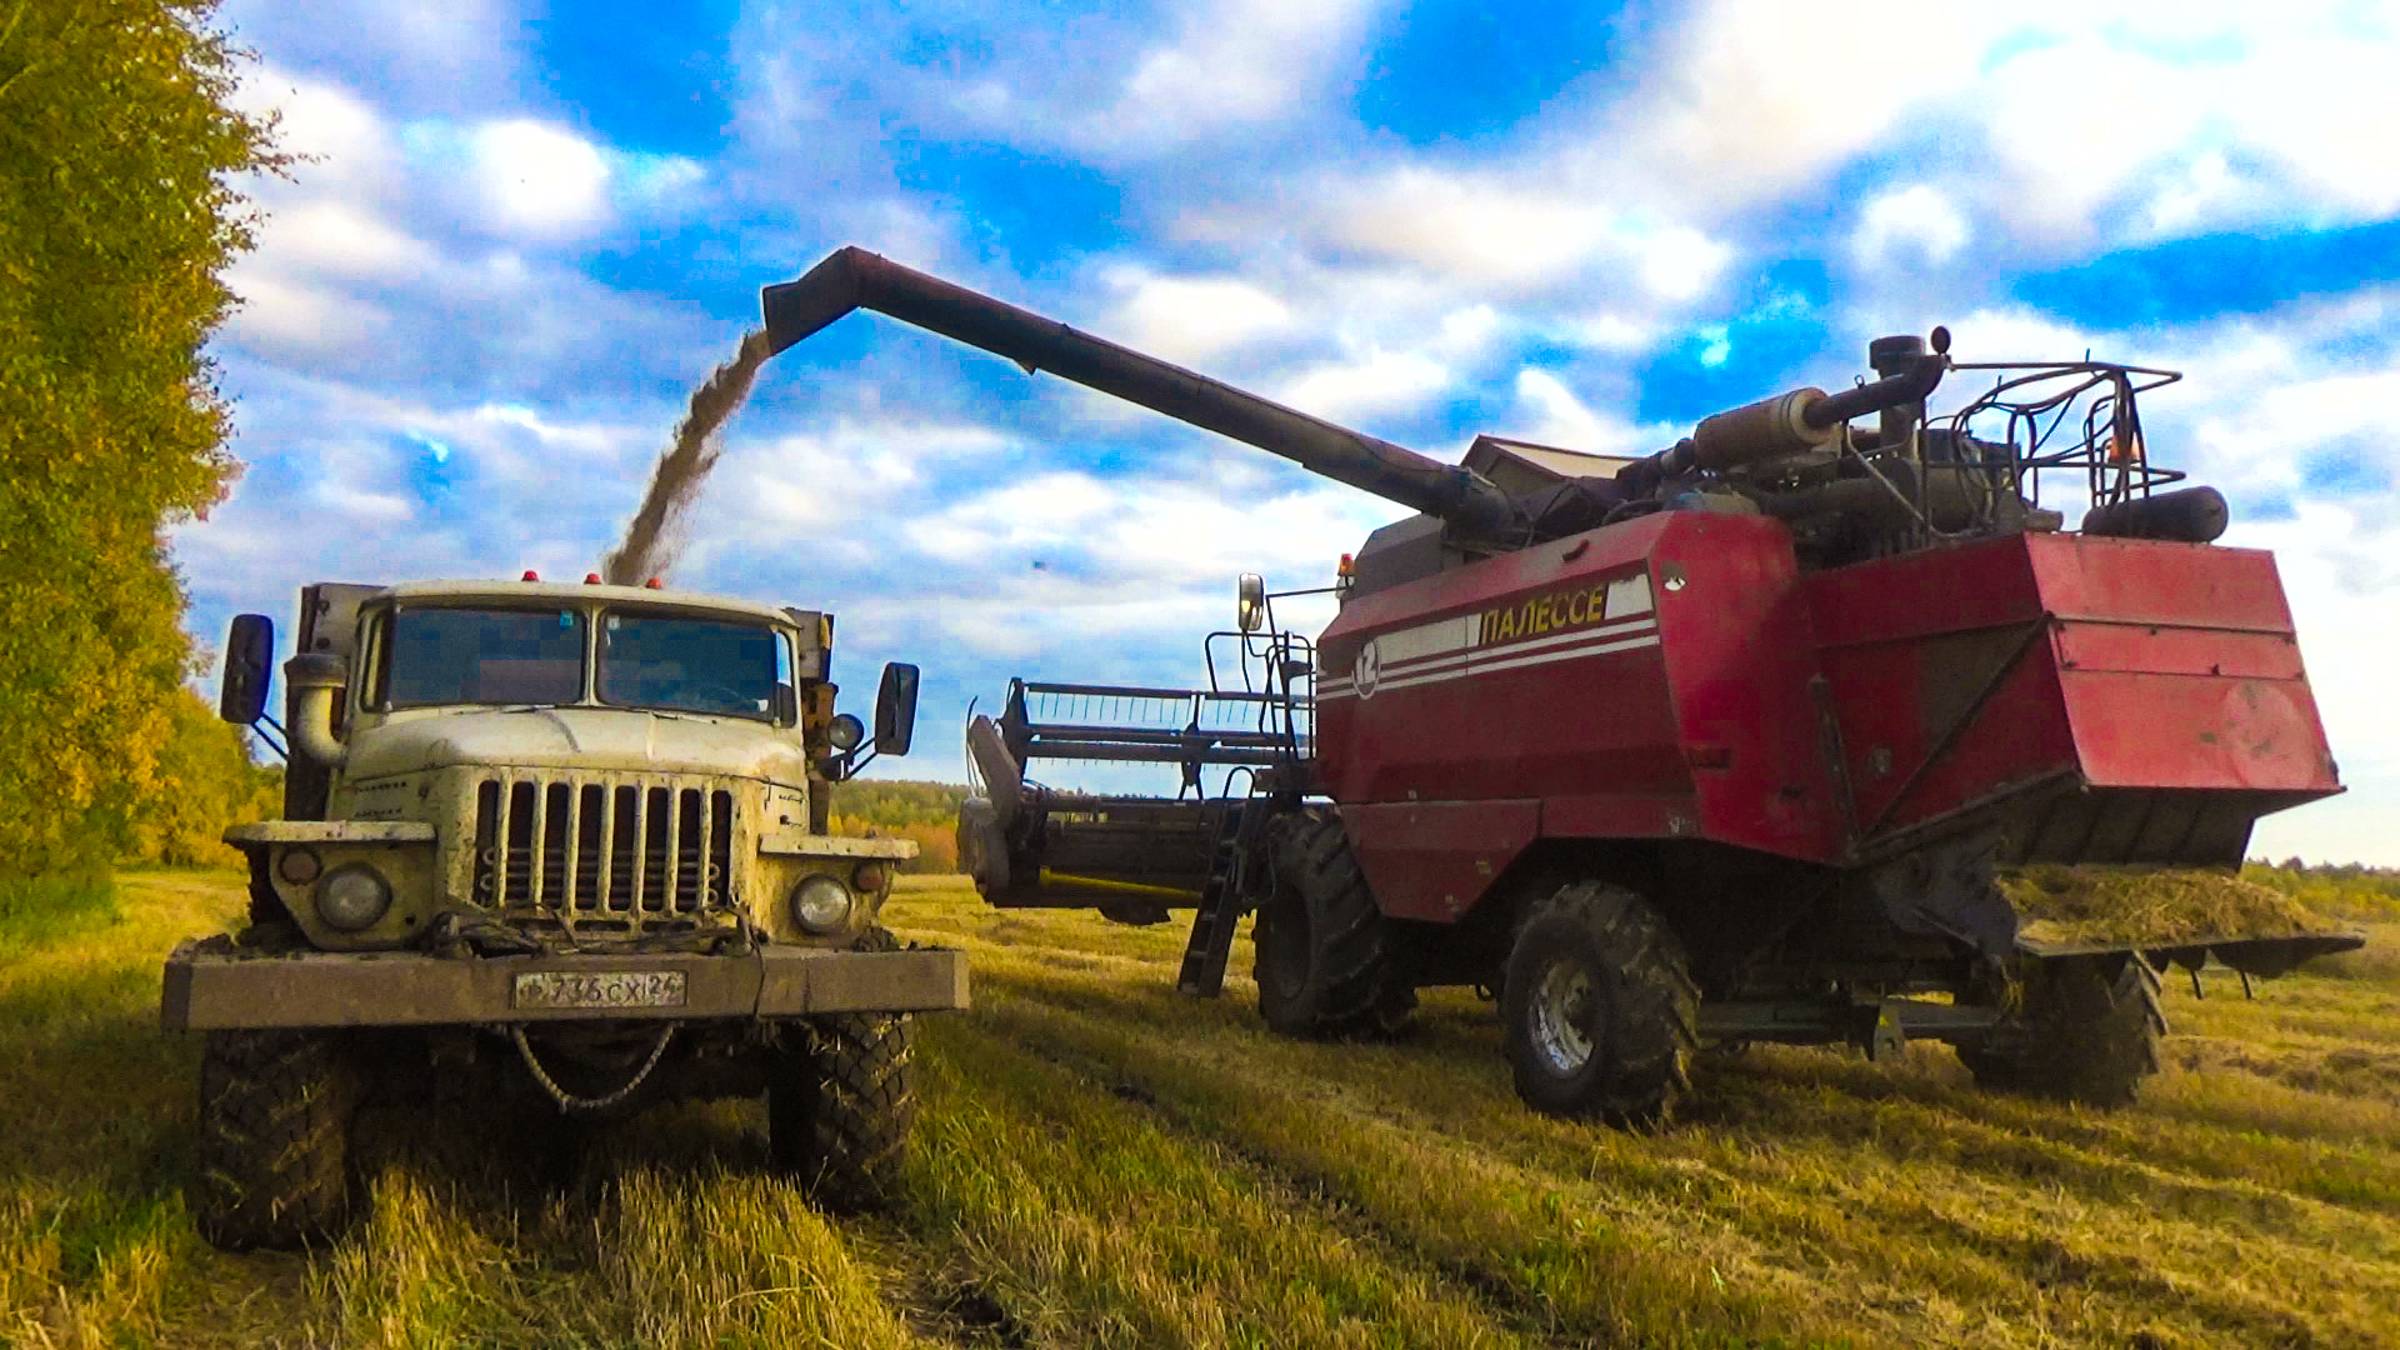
[2110, 700]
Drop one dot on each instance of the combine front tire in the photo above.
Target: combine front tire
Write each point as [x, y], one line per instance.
[2087, 1030]
[274, 1151]
[1599, 1012]
[841, 1102]
[1326, 959]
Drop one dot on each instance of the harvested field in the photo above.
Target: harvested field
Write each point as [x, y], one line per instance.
[1104, 1162]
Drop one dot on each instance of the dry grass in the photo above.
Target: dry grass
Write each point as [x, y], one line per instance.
[1104, 1162]
[2070, 905]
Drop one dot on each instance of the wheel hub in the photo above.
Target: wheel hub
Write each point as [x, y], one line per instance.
[1562, 1017]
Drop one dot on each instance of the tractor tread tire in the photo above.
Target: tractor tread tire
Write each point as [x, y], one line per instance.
[1642, 1055]
[841, 1103]
[2081, 1035]
[273, 1167]
[1356, 988]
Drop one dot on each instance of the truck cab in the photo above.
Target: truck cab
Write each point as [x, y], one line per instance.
[537, 821]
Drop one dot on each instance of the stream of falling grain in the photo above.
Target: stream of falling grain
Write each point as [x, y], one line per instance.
[653, 537]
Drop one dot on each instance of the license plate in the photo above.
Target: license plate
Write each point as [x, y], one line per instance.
[600, 989]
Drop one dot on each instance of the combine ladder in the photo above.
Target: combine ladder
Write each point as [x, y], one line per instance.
[1211, 943]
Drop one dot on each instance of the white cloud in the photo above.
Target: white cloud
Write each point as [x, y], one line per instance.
[297, 319]
[1754, 97]
[1375, 382]
[1549, 413]
[330, 237]
[1234, 63]
[1918, 219]
[537, 179]
[1191, 318]
[1487, 230]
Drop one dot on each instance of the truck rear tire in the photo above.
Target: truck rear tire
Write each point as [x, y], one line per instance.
[841, 1103]
[274, 1150]
[1599, 1014]
[2085, 1032]
[1325, 958]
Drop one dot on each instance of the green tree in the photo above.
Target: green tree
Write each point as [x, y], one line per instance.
[119, 209]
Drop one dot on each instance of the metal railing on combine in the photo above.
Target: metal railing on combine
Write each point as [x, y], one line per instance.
[1192, 729]
[613, 855]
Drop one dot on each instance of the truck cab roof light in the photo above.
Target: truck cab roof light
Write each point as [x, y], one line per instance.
[530, 575]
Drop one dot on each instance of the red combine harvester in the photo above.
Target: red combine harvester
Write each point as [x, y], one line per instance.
[1723, 744]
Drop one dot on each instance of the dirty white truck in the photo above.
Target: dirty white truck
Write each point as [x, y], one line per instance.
[554, 847]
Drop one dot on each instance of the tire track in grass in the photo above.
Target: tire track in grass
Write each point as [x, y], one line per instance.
[1903, 1219]
[1089, 1224]
[2019, 1269]
[2112, 1153]
[1493, 1224]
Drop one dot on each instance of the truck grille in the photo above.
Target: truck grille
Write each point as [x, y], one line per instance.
[607, 855]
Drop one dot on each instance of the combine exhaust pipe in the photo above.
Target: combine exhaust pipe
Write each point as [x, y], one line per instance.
[852, 278]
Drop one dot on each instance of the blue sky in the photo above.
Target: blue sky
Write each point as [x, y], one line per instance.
[523, 232]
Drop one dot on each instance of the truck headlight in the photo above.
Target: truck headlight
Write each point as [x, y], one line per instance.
[821, 904]
[353, 898]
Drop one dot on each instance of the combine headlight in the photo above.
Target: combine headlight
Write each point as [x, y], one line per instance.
[821, 904]
[352, 898]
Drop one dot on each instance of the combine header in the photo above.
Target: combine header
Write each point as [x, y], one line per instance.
[1726, 743]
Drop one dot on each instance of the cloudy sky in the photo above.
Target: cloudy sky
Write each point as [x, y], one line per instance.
[522, 232]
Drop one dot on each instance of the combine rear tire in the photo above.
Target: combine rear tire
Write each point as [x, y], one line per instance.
[1599, 1014]
[841, 1100]
[1326, 959]
[274, 1151]
[2087, 1031]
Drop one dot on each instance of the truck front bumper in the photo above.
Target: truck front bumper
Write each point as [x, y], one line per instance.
[212, 986]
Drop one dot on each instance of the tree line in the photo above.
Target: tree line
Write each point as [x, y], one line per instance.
[121, 160]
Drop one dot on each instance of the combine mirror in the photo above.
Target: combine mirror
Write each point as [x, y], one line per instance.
[1251, 609]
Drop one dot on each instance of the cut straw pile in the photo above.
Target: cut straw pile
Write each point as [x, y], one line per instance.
[2078, 905]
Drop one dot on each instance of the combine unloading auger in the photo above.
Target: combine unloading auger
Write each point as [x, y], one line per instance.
[1760, 717]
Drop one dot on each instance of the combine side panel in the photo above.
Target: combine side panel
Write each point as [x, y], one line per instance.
[1648, 680]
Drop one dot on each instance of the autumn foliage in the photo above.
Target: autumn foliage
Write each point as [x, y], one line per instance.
[119, 209]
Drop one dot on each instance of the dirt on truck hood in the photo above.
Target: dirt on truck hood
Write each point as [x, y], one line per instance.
[594, 739]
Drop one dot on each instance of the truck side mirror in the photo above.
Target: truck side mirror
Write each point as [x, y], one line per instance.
[249, 659]
[1250, 605]
[896, 709]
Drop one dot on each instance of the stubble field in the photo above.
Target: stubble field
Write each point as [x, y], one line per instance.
[1101, 1161]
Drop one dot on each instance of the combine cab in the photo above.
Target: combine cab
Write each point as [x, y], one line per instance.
[1743, 740]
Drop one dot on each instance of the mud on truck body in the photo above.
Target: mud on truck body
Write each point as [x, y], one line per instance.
[550, 849]
[1738, 741]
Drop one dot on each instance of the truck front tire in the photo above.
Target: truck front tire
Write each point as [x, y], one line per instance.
[1325, 957]
[841, 1101]
[1599, 1013]
[2086, 1030]
[273, 1168]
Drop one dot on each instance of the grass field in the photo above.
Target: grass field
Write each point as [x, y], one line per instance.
[1103, 1162]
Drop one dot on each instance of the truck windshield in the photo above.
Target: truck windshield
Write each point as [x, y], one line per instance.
[484, 656]
[687, 665]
